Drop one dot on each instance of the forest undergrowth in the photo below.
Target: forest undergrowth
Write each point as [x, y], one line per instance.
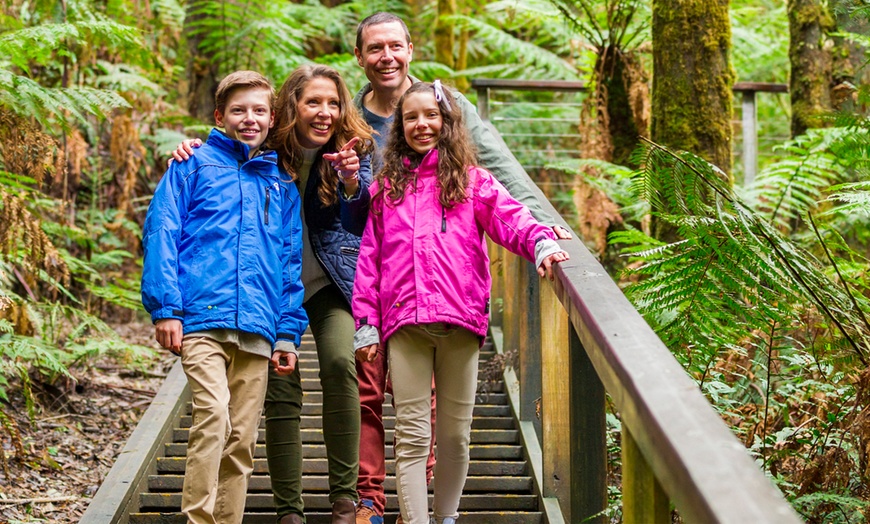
[81, 426]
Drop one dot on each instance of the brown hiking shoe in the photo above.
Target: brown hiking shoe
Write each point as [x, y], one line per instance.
[343, 512]
[365, 514]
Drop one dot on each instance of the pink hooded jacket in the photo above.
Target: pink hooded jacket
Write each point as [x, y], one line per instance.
[422, 263]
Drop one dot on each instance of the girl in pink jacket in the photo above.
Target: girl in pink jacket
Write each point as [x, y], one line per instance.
[422, 286]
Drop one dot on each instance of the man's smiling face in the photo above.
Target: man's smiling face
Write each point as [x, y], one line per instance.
[385, 55]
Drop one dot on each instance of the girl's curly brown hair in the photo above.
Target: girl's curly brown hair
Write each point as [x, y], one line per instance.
[456, 152]
[350, 124]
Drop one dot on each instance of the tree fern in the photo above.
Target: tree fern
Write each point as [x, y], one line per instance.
[515, 57]
[732, 264]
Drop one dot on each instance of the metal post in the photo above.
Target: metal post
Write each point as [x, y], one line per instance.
[750, 137]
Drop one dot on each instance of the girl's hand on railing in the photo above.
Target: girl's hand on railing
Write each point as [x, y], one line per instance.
[562, 233]
[546, 267]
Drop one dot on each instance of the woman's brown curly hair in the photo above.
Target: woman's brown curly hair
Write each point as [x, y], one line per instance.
[285, 142]
[456, 152]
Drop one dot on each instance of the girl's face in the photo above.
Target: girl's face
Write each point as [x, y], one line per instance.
[317, 112]
[422, 121]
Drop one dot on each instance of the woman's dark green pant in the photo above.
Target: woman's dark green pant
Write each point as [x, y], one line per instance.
[333, 328]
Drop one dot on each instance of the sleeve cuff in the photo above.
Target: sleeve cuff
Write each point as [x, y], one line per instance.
[365, 336]
[286, 346]
[545, 248]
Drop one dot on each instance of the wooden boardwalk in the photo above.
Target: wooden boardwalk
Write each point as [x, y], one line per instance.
[500, 487]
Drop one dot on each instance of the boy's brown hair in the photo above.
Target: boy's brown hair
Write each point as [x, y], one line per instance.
[241, 80]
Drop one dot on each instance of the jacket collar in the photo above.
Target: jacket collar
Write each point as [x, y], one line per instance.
[238, 150]
[429, 164]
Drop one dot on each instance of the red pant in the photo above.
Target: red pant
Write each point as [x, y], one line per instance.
[373, 384]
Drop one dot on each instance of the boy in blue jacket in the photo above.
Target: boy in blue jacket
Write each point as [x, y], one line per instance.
[221, 280]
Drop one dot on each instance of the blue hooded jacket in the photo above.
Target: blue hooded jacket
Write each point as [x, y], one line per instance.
[223, 244]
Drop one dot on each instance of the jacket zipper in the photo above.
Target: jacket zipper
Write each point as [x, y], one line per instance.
[443, 220]
[266, 210]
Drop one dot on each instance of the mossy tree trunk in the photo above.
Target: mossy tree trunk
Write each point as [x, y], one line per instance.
[811, 63]
[444, 39]
[692, 78]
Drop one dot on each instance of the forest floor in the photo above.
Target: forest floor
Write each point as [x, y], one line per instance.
[79, 428]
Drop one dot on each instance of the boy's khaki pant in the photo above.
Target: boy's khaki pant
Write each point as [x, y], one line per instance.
[228, 386]
[415, 353]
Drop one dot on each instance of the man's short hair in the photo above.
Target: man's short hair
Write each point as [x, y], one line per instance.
[378, 19]
[241, 79]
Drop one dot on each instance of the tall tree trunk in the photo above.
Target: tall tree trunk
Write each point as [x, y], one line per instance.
[202, 75]
[692, 78]
[444, 38]
[617, 75]
[811, 63]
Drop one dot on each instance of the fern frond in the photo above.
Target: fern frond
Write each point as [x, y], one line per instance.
[29, 99]
[786, 189]
[537, 62]
[732, 264]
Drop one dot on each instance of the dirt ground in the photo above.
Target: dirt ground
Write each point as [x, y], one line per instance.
[80, 428]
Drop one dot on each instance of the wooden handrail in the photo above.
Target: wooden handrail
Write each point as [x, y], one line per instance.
[675, 444]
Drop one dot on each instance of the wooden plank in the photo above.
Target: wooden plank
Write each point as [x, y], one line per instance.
[761, 87]
[318, 466]
[531, 355]
[555, 406]
[643, 499]
[469, 517]
[527, 85]
[117, 495]
[315, 501]
[588, 440]
[311, 483]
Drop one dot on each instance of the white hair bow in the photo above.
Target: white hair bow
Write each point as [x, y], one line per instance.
[439, 94]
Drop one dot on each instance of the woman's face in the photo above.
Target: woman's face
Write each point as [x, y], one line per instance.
[317, 112]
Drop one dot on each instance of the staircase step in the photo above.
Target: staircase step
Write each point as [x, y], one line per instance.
[316, 422]
[470, 517]
[263, 502]
[317, 466]
[478, 436]
[314, 483]
[499, 488]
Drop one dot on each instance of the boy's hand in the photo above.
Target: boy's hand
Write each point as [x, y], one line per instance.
[168, 333]
[546, 266]
[284, 362]
[346, 162]
[184, 150]
[367, 353]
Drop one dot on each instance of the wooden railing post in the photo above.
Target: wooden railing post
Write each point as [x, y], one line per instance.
[555, 403]
[588, 440]
[643, 499]
[497, 270]
[483, 102]
[530, 357]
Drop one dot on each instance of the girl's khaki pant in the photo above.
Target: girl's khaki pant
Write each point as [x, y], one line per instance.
[415, 353]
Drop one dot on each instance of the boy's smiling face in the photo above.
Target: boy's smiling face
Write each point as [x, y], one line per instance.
[247, 116]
